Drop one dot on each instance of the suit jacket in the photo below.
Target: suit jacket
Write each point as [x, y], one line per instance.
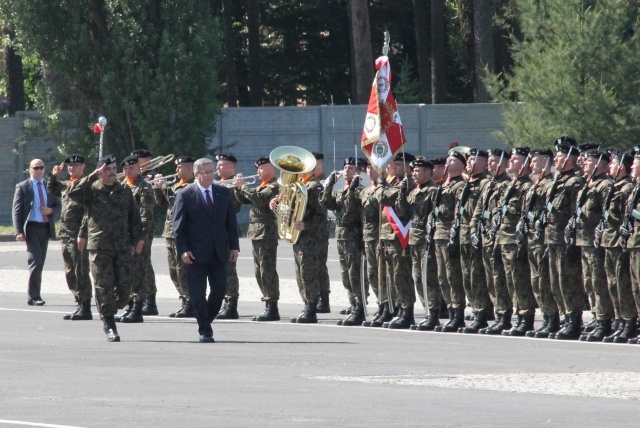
[205, 235]
[23, 204]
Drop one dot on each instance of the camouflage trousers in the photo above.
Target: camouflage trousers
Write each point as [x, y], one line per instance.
[177, 270]
[265, 254]
[76, 269]
[449, 275]
[619, 281]
[594, 273]
[541, 284]
[110, 272]
[634, 268]
[143, 278]
[474, 279]
[398, 265]
[496, 280]
[518, 279]
[588, 280]
[233, 284]
[350, 256]
[323, 255]
[565, 279]
[308, 267]
[434, 296]
[371, 268]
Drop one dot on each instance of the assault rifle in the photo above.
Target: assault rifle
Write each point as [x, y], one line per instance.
[570, 231]
[630, 215]
[497, 221]
[457, 220]
[605, 207]
[484, 214]
[528, 217]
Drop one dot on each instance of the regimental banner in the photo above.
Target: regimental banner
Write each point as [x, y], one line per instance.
[383, 134]
[402, 231]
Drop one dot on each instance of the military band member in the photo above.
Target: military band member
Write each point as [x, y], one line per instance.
[114, 231]
[141, 277]
[324, 307]
[480, 238]
[165, 196]
[345, 204]
[616, 264]
[630, 236]
[263, 232]
[226, 170]
[76, 262]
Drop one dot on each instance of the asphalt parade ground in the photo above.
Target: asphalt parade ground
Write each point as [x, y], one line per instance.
[56, 373]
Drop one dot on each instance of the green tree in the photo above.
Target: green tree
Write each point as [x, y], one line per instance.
[407, 88]
[575, 73]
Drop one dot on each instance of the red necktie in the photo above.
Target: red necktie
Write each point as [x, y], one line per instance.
[209, 200]
[45, 218]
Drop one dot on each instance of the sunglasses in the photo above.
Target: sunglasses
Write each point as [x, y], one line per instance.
[38, 168]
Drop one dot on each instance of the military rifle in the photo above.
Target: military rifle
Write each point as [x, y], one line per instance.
[484, 214]
[455, 229]
[528, 217]
[630, 215]
[497, 222]
[570, 231]
[605, 207]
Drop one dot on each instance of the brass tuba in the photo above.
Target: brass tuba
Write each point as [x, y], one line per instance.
[292, 199]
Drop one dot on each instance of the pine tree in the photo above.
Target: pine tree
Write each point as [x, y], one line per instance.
[407, 88]
[575, 74]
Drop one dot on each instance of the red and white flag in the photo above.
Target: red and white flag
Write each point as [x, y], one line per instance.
[383, 134]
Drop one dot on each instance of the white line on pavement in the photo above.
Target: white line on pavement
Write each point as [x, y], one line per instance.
[35, 424]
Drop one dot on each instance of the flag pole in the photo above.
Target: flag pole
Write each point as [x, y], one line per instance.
[333, 127]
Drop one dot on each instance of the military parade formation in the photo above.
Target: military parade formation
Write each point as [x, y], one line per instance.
[501, 233]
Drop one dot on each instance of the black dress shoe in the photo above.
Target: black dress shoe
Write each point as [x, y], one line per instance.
[205, 338]
[36, 302]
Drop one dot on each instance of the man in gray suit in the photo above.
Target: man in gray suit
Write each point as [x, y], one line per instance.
[33, 223]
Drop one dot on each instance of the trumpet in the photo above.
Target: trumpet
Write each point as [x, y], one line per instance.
[152, 164]
[169, 179]
[247, 180]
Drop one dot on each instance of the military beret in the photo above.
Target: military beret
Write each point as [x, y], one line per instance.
[349, 161]
[522, 151]
[614, 152]
[627, 158]
[500, 153]
[129, 160]
[420, 162]
[586, 147]
[141, 153]
[567, 148]
[227, 157]
[599, 154]
[567, 140]
[636, 154]
[478, 152]
[318, 155]
[462, 157]
[261, 161]
[363, 162]
[184, 159]
[404, 157]
[106, 160]
[438, 161]
[541, 152]
[75, 158]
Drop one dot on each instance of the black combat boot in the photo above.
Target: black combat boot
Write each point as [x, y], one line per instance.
[384, 317]
[270, 313]
[498, 317]
[308, 314]
[525, 324]
[561, 324]
[127, 310]
[356, 317]
[229, 311]
[477, 324]
[545, 324]
[352, 306]
[471, 317]
[135, 316]
[591, 325]
[457, 322]
[504, 324]
[431, 322]
[518, 321]
[571, 329]
[83, 313]
[68, 316]
[602, 330]
[150, 307]
[617, 327]
[404, 320]
[323, 306]
[397, 313]
[444, 311]
[375, 316]
[629, 332]
[110, 329]
[174, 314]
[452, 314]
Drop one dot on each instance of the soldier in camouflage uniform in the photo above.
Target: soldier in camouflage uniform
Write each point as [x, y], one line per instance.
[560, 203]
[616, 264]
[347, 209]
[263, 232]
[165, 197]
[448, 254]
[397, 256]
[114, 231]
[417, 205]
[480, 239]
[76, 262]
[589, 208]
[324, 306]
[474, 279]
[141, 283]
[630, 244]
[226, 170]
[549, 302]
[517, 274]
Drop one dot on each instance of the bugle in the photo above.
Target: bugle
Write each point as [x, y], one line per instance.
[251, 179]
[168, 179]
[154, 163]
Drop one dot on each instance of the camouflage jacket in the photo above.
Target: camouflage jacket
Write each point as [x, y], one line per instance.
[113, 217]
[370, 213]
[262, 221]
[315, 215]
[621, 189]
[485, 208]
[539, 192]
[71, 213]
[445, 211]
[143, 195]
[387, 197]
[634, 239]
[506, 234]
[416, 205]
[476, 184]
[563, 205]
[165, 198]
[591, 210]
[345, 204]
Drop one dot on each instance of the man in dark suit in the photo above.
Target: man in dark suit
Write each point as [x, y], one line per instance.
[33, 223]
[206, 234]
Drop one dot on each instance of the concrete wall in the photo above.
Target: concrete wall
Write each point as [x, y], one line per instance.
[251, 132]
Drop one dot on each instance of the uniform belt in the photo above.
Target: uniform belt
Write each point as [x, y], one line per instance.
[262, 220]
[37, 224]
[371, 219]
[349, 224]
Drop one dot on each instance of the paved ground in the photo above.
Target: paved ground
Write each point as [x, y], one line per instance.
[59, 373]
